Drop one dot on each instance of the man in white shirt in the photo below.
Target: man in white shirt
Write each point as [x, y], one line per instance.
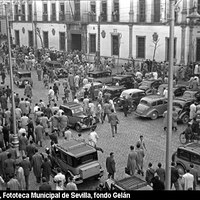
[188, 180]
[59, 179]
[50, 95]
[165, 93]
[138, 75]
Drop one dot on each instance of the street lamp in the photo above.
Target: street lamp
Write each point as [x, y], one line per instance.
[192, 17]
[15, 136]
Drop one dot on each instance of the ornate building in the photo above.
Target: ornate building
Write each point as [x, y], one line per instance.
[119, 28]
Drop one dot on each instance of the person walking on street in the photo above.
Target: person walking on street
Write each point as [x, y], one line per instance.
[125, 105]
[174, 176]
[106, 110]
[132, 161]
[36, 163]
[194, 172]
[71, 185]
[140, 159]
[113, 120]
[59, 179]
[39, 132]
[188, 180]
[150, 172]
[110, 165]
[161, 172]
[142, 143]
[45, 185]
[46, 169]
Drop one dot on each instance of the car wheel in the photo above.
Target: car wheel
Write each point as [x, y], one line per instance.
[154, 115]
[185, 119]
[180, 169]
[182, 138]
[78, 128]
[133, 107]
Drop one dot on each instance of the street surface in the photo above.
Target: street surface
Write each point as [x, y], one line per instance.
[129, 130]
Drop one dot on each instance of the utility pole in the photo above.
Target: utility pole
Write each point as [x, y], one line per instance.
[35, 28]
[170, 98]
[15, 136]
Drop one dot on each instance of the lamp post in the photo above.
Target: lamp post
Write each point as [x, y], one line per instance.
[170, 98]
[15, 136]
[192, 17]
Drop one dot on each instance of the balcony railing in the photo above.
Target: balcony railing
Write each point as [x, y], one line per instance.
[92, 17]
[61, 17]
[45, 17]
[115, 17]
[53, 17]
[16, 17]
[141, 18]
[104, 17]
[84, 18]
[30, 18]
[23, 18]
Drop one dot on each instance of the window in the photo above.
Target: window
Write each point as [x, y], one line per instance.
[184, 154]
[23, 13]
[66, 158]
[153, 103]
[62, 12]
[62, 41]
[167, 48]
[45, 12]
[92, 43]
[30, 38]
[195, 159]
[115, 13]
[93, 11]
[104, 11]
[53, 12]
[159, 102]
[17, 40]
[115, 45]
[16, 13]
[77, 10]
[46, 39]
[140, 51]
[156, 10]
[142, 11]
[198, 6]
[30, 12]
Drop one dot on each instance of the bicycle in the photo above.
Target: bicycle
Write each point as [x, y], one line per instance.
[184, 140]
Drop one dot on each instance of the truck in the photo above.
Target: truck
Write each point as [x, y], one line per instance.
[127, 183]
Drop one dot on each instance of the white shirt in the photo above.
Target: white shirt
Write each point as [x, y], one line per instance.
[93, 137]
[51, 93]
[76, 100]
[196, 69]
[138, 74]
[59, 177]
[35, 109]
[85, 81]
[188, 180]
[165, 93]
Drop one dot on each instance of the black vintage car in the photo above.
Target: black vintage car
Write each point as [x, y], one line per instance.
[182, 106]
[21, 78]
[113, 92]
[123, 80]
[147, 85]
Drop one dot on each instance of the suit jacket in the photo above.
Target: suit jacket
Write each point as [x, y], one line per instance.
[174, 174]
[195, 174]
[113, 119]
[30, 150]
[26, 165]
[45, 187]
[110, 165]
[9, 166]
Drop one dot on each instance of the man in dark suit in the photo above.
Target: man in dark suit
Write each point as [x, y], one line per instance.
[113, 120]
[110, 165]
[26, 165]
[9, 166]
[174, 176]
[194, 172]
[30, 150]
[45, 186]
[125, 105]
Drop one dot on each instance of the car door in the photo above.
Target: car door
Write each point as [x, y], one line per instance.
[160, 107]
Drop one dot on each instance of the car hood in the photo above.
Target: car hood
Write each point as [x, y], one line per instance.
[81, 115]
[141, 108]
[143, 87]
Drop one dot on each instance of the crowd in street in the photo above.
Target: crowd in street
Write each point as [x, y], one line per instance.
[44, 119]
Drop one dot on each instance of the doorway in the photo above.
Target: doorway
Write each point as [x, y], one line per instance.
[198, 50]
[76, 42]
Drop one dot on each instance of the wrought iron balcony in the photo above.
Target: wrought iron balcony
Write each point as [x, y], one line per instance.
[23, 18]
[53, 17]
[141, 18]
[45, 17]
[115, 17]
[30, 18]
[16, 17]
[61, 17]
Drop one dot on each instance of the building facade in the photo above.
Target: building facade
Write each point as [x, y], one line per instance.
[119, 28]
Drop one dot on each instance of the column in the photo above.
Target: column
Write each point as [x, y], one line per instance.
[183, 31]
[68, 38]
[109, 10]
[191, 48]
[130, 40]
[84, 38]
[131, 13]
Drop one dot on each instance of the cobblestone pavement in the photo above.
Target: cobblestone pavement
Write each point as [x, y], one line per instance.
[130, 129]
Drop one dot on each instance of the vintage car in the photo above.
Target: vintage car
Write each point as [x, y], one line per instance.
[21, 78]
[147, 85]
[133, 96]
[151, 106]
[100, 76]
[77, 119]
[178, 89]
[113, 92]
[97, 86]
[123, 80]
[60, 71]
[77, 159]
[186, 155]
[182, 106]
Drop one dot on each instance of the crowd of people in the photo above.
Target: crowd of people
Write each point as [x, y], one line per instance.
[39, 121]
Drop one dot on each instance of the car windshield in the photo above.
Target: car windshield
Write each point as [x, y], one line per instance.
[77, 110]
[115, 80]
[125, 94]
[188, 95]
[178, 104]
[26, 75]
[144, 102]
[86, 159]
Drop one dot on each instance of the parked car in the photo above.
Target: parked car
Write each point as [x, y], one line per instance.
[178, 89]
[147, 85]
[100, 76]
[97, 86]
[191, 94]
[76, 159]
[186, 155]
[113, 92]
[182, 106]
[77, 119]
[124, 80]
[21, 78]
[151, 106]
[133, 96]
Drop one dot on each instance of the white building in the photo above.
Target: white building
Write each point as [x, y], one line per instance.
[126, 27]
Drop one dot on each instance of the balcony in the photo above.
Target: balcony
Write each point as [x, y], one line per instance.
[61, 17]
[92, 17]
[103, 17]
[115, 17]
[84, 18]
[16, 17]
[23, 18]
[30, 18]
[53, 17]
[45, 17]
